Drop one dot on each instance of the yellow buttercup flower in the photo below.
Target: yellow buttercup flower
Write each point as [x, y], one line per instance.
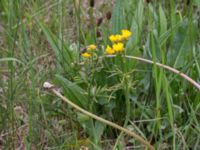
[119, 38]
[86, 55]
[91, 47]
[109, 50]
[116, 38]
[126, 34]
[112, 38]
[118, 47]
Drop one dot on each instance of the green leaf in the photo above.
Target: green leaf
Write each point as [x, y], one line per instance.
[118, 21]
[163, 21]
[11, 59]
[64, 56]
[73, 92]
[137, 23]
[197, 2]
[99, 129]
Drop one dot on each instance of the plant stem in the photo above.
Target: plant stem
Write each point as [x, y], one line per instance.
[77, 7]
[126, 92]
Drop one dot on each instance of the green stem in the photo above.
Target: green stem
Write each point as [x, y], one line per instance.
[92, 66]
[126, 119]
[126, 91]
[77, 8]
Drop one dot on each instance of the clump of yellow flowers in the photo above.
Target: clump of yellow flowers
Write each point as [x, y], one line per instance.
[88, 53]
[117, 40]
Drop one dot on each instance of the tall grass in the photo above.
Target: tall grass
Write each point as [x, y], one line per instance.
[27, 117]
[43, 40]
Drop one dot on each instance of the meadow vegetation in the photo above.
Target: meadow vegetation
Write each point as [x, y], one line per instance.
[87, 49]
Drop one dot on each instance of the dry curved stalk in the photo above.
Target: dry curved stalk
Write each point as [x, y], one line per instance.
[194, 83]
[52, 88]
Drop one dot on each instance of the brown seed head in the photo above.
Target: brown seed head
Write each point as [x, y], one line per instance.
[92, 3]
[98, 33]
[108, 15]
[99, 21]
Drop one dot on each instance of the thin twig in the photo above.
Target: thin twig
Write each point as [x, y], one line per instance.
[52, 88]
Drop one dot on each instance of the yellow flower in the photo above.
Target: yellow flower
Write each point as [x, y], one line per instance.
[119, 38]
[116, 38]
[109, 50]
[118, 47]
[126, 34]
[91, 47]
[112, 38]
[86, 55]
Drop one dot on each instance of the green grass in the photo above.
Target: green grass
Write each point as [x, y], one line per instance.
[42, 41]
